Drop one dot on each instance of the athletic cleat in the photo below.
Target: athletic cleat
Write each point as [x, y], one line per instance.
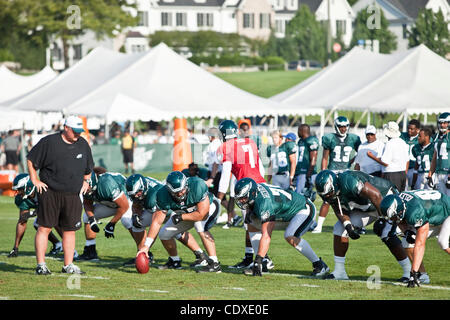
[13, 253]
[227, 226]
[210, 267]
[236, 221]
[245, 263]
[72, 269]
[320, 268]
[341, 276]
[151, 259]
[201, 261]
[361, 230]
[403, 280]
[171, 264]
[55, 250]
[42, 270]
[424, 278]
[89, 254]
[267, 264]
[317, 230]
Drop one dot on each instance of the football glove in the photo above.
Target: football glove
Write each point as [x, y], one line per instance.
[414, 279]
[176, 218]
[94, 224]
[109, 230]
[257, 266]
[430, 182]
[308, 183]
[352, 232]
[137, 222]
[410, 236]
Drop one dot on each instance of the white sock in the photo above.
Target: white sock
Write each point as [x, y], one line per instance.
[320, 221]
[214, 258]
[249, 250]
[58, 245]
[90, 242]
[339, 265]
[305, 249]
[255, 237]
[175, 258]
[406, 266]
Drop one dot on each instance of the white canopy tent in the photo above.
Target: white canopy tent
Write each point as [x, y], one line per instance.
[13, 85]
[18, 119]
[156, 85]
[413, 81]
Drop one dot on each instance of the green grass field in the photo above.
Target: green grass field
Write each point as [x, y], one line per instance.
[108, 279]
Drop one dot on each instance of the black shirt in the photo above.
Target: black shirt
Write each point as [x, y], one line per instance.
[62, 166]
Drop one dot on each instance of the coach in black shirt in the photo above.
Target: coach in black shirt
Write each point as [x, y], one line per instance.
[65, 163]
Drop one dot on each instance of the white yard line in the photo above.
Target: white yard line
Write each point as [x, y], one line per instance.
[238, 289]
[149, 290]
[76, 295]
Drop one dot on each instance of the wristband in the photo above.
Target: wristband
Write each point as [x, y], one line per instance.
[346, 223]
[148, 242]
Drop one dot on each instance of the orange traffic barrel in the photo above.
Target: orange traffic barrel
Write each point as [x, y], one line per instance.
[182, 154]
[6, 182]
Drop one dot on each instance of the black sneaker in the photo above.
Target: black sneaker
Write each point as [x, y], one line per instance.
[171, 264]
[236, 221]
[151, 259]
[201, 261]
[245, 263]
[42, 270]
[403, 280]
[320, 268]
[13, 253]
[210, 267]
[89, 254]
[267, 264]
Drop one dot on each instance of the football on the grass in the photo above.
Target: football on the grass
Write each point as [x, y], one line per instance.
[142, 263]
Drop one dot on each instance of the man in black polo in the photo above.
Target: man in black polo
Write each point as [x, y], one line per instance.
[65, 163]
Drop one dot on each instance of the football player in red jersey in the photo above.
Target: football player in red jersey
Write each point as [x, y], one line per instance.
[240, 158]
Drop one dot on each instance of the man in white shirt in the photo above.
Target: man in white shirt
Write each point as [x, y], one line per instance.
[395, 158]
[363, 162]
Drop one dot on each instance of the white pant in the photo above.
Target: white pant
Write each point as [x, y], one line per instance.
[169, 230]
[101, 211]
[301, 181]
[409, 178]
[360, 219]
[421, 182]
[146, 221]
[442, 232]
[281, 180]
[441, 181]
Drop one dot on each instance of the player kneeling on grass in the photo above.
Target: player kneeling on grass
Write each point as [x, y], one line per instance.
[189, 205]
[27, 201]
[355, 198]
[106, 197]
[420, 214]
[269, 207]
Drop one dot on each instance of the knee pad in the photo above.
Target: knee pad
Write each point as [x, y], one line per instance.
[378, 227]
[392, 241]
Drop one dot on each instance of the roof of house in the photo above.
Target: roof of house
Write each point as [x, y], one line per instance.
[312, 4]
[408, 7]
[182, 3]
[135, 34]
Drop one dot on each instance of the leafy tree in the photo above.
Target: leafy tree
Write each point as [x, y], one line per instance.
[308, 35]
[44, 20]
[366, 28]
[430, 29]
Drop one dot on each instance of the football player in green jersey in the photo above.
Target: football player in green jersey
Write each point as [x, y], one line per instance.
[270, 207]
[411, 137]
[355, 198]
[189, 205]
[420, 214]
[194, 171]
[305, 171]
[337, 150]
[440, 164]
[26, 200]
[423, 153]
[283, 160]
[106, 197]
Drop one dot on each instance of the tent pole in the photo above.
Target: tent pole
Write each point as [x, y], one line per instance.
[23, 153]
[368, 119]
[107, 129]
[359, 121]
[322, 125]
[405, 121]
[425, 118]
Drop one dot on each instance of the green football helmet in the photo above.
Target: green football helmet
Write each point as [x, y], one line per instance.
[443, 118]
[23, 181]
[341, 122]
[327, 185]
[137, 186]
[93, 183]
[176, 183]
[228, 130]
[245, 193]
[392, 207]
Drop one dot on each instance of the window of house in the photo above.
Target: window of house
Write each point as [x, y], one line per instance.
[405, 31]
[77, 53]
[279, 26]
[143, 18]
[205, 19]
[56, 53]
[166, 19]
[181, 19]
[249, 20]
[341, 27]
[209, 19]
[264, 20]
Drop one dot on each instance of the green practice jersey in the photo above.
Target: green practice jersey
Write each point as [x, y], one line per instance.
[203, 173]
[423, 156]
[304, 148]
[340, 149]
[279, 156]
[110, 186]
[149, 201]
[26, 204]
[442, 147]
[197, 191]
[411, 142]
[351, 184]
[425, 206]
[275, 204]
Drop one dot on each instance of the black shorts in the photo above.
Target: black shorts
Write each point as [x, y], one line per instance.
[12, 157]
[215, 188]
[397, 178]
[127, 155]
[61, 209]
